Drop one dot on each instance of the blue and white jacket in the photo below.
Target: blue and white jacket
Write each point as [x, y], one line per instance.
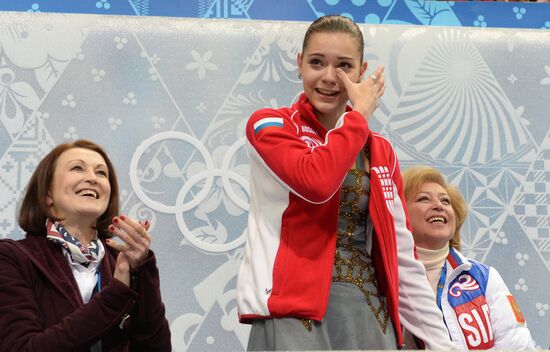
[479, 310]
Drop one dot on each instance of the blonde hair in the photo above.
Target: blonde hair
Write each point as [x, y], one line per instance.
[415, 176]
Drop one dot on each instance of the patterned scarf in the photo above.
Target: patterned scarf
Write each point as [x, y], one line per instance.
[81, 253]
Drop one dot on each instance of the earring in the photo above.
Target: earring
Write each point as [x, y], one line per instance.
[300, 75]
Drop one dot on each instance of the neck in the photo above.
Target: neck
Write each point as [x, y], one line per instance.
[432, 258]
[328, 121]
[85, 233]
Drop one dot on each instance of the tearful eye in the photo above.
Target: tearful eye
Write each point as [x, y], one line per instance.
[345, 65]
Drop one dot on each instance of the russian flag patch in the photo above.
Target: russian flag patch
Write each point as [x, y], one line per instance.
[268, 122]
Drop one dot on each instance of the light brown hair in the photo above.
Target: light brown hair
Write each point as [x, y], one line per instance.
[34, 209]
[335, 24]
[415, 176]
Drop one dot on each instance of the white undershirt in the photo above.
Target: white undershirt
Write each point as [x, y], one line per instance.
[85, 277]
[433, 260]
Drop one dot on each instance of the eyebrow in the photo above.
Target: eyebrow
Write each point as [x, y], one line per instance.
[83, 162]
[339, 57]
[429, 193]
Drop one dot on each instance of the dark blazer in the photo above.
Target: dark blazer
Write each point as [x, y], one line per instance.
[41, 308]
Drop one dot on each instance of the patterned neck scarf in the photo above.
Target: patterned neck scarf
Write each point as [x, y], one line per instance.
[81, 253]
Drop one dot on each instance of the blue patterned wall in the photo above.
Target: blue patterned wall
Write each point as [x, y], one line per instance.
[169, 97]
[418, 12]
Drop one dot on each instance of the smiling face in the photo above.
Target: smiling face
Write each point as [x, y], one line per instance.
[80, 188]
[432, 216]
[324, 53]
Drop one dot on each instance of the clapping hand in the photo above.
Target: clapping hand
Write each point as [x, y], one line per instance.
[135, 247]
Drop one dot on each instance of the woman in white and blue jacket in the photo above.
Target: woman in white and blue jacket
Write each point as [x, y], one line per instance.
[478, 309]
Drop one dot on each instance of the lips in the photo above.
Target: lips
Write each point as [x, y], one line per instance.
[88, 193]
[327, 92]
[437, 219]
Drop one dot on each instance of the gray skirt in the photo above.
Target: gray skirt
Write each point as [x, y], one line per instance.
[349, 324]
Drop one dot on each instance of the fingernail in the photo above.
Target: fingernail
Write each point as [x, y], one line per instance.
[146, 223]
[123, 217]
[111, 228]
[115, 220]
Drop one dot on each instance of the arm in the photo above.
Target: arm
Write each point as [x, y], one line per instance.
[149, 330]
[509, 327]
[312, 173]
[136, 266]
[21, 320]
[418, 310]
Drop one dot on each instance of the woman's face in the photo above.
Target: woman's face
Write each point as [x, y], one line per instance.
[432, 216]
[324, 53]
[80, 187]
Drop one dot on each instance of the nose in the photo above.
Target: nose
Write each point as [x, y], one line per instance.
[91, 177]
[330, 75]
[437, 204]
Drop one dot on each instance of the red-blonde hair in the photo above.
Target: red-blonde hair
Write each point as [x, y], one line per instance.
[415, 176]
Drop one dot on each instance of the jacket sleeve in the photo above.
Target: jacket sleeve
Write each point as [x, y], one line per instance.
[509, 328]
[418, 309]
[312, 173]
[148, 327]
[21, 327]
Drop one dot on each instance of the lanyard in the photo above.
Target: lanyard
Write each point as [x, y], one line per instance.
[97, 287]
[441, 284]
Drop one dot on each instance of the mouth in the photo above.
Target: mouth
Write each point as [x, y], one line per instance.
[327, 92]
[88, 193]
[437, 219]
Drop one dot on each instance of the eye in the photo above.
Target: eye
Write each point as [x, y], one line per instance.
[76, 168]
[422, 199]
[345, 66]
[102, 173]
[315, 62]
[446, 201]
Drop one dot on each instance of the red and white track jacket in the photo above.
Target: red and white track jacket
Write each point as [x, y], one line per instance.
[297, 168]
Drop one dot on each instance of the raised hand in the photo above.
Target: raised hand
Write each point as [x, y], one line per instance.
[135, 247]
[364, 95]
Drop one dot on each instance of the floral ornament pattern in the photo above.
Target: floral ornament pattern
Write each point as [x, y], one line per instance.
[16, 97]
[201, 63]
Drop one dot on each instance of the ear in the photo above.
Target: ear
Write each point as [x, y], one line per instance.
[49, 200]
[363, 70]
[299, 63]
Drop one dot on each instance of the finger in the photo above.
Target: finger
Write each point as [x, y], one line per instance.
[130, 240]
[133, 228]
[377, 75]
[381, 92]
[378, 72]
[138, 227]
[115, 245]
[145, 224]
[344, 78]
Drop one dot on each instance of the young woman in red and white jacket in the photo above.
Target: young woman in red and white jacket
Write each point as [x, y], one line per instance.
[329, 260]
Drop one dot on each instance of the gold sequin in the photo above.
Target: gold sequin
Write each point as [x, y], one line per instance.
[308, 323]
[355, 269]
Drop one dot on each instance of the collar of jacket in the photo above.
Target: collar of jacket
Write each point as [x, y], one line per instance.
[456, 263]
[48, 258]
[307, 112]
